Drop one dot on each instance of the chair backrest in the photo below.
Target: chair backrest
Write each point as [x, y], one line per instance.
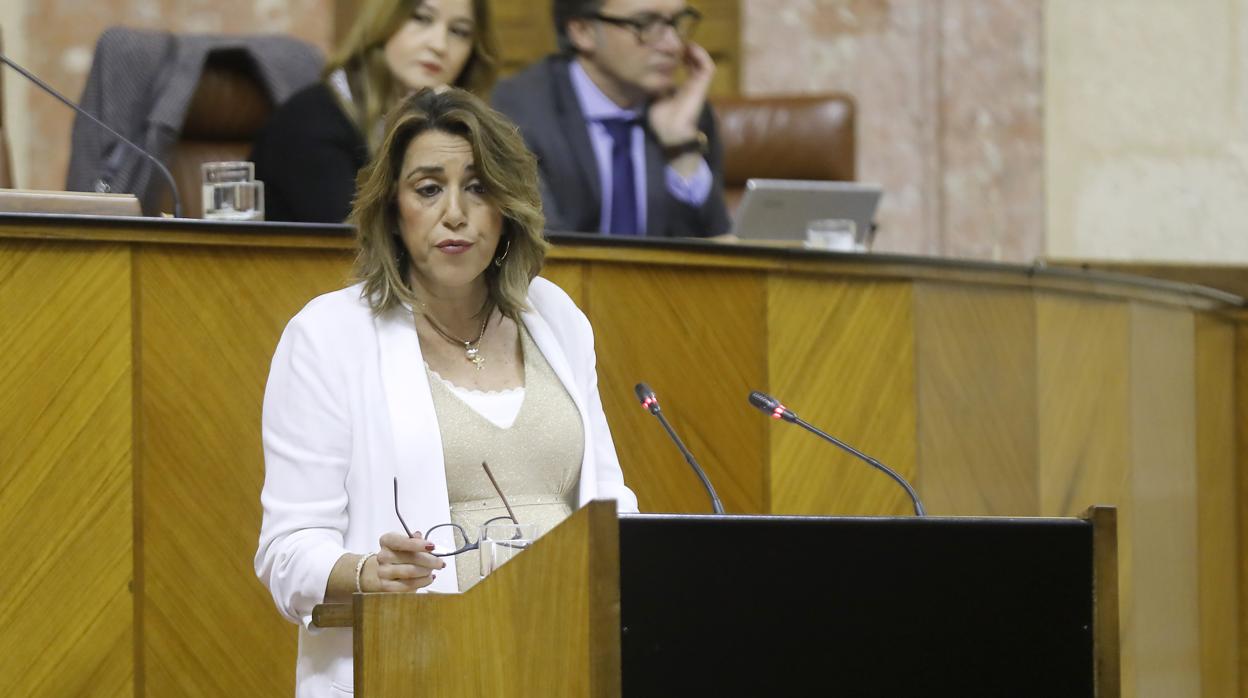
[183, 98]
[229, 107]
[809, 137]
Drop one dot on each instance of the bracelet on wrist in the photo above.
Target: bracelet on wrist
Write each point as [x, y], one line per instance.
[359, 571]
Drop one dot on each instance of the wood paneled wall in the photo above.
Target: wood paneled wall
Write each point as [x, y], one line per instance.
[136, 360]
[849, 362]
[680, 328]
[1217, 510]
[551, 641]
[1221, 447]
[1084, 428]
[208, 317]
[976, 376]
[1241, 488]
[1163, 561]
[66, 485]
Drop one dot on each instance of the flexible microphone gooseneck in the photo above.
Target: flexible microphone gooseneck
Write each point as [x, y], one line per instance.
[651, 405]
[160, 167]
[772, 407]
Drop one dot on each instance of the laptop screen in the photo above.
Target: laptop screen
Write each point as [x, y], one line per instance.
[780, 209]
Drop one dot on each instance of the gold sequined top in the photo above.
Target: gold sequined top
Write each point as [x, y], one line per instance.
[537, 460]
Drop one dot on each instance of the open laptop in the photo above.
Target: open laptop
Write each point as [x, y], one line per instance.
[779, 209]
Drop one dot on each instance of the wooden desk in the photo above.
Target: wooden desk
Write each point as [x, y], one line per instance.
[136, 352]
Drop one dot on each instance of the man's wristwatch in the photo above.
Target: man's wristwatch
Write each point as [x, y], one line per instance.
[693, 145]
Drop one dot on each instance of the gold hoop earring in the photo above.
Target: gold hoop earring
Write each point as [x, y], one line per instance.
[498, 261]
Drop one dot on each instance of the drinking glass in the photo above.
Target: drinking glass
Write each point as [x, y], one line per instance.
[500, 541]
[836, 234]
[231, 191]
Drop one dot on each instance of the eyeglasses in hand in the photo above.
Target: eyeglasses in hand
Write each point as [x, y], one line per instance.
[462, 542]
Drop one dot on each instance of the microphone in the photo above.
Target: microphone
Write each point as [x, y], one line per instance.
[160, 167]
[651, 404]
[771, 406]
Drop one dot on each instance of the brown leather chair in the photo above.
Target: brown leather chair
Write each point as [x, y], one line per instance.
[229, 106]
[810, 137]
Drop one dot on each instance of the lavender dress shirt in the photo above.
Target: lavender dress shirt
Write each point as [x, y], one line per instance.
[597, 107]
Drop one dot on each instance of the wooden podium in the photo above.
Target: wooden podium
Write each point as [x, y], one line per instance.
[650, 605]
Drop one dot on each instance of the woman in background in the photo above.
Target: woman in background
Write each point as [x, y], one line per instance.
[450, 351]
[310, 151]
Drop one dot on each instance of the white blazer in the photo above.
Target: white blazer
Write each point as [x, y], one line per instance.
[346, 409]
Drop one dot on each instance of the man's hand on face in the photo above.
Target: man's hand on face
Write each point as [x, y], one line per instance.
[674, 117]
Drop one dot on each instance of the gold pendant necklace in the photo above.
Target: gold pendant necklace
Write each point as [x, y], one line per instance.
[472, 349]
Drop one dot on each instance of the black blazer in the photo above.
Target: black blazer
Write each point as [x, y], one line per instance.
[541, 102]
[307, 155]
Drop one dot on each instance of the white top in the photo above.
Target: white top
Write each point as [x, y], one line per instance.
[347, 409]
[500, 407]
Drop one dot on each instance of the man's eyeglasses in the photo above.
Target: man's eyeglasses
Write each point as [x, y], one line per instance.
[451, 534]
[648, 27]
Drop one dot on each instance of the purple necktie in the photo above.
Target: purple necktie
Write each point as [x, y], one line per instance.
[623, 184]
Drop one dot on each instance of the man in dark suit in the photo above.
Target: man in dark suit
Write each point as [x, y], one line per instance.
[622, 148]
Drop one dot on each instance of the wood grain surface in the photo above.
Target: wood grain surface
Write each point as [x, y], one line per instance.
[66, 525]
[706, 254]
[569, 276]
[976, 357]
[210, 322]
[1163, 564]
[136, 354]
[545, 624]
[1083, 435]
[1240, 373]
[1106, 645]
[841, 355]
[1217, 513]
[695, 337]
[1084, 428]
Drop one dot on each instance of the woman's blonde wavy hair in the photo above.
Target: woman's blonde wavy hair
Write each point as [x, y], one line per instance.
[506, 168]
[374, 89]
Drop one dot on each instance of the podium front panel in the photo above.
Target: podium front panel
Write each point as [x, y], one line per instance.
[856, 606]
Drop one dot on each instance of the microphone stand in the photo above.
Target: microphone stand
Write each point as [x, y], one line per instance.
[160, 167]
[651, 404]
[914, 496]
[772, 407]
[716, 506]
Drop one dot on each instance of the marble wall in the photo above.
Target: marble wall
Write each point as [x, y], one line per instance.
[55, 40]
[950, 120]
[1147, 129]
[1000, 129]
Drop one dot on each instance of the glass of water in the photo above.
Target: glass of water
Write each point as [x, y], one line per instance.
[501, 541]
[231, 192]
[837, 234]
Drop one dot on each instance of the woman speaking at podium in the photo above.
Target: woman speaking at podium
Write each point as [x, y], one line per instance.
[309, 152]
[449, 351]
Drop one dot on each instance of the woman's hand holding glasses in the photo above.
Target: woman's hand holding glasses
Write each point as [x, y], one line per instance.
[407, 561]
[402, 564]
